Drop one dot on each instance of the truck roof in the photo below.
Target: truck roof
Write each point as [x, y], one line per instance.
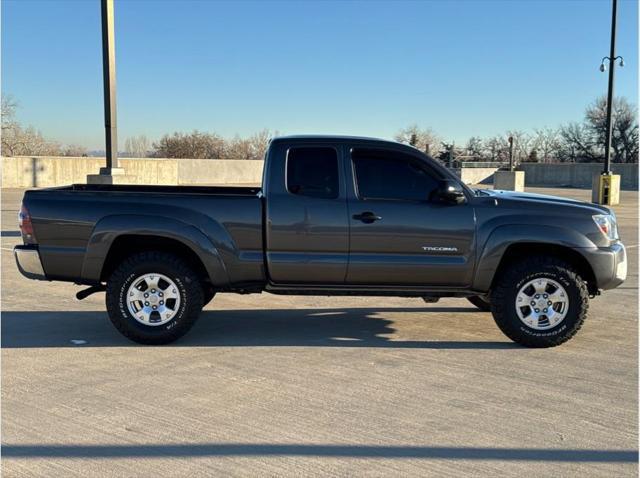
[342, 138]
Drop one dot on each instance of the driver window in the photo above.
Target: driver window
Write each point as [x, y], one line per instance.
[385, 176]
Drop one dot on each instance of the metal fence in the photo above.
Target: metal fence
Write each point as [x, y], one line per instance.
[479, 164]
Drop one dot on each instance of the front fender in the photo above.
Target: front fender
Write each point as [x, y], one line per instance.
[504, 236]
[109, 228]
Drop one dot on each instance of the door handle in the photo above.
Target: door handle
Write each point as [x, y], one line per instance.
[367, 217]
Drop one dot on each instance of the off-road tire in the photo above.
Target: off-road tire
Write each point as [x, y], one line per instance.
[503, 297]
[190, 290]
[481, 302]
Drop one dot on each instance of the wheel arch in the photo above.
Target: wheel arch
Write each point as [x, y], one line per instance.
[520, 250]
[116, 237]
[507, 244]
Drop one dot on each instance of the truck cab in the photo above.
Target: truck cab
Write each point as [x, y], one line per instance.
[364, 214]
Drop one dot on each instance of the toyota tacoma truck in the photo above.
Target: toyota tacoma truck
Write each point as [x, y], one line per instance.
[334, 216]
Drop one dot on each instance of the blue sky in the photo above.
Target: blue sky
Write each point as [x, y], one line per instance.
[462, 68]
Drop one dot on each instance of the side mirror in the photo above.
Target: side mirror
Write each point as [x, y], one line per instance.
[451, 192]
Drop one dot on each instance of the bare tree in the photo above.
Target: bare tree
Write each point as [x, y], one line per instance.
[624, 141]
[475, 148]
[20, 141]
[238, 148]
[577, 144]
[424, 139]
[253, 147]
[497, 148]
[137, 146]
[74, 150]
[546, 143]
[260, 143]
[195, 145]
[521, 145]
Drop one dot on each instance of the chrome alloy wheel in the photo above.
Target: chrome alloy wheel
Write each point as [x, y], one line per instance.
[542, 304]
[153, 299]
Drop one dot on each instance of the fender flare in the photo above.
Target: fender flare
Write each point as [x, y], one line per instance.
[506, 235]
[109, 228]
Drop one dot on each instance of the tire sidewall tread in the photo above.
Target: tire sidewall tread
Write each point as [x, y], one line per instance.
[188, 283]
[504, 294]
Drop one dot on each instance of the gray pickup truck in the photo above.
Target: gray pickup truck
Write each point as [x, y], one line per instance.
[334, 216]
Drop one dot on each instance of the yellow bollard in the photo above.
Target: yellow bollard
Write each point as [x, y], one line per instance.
[606, 189]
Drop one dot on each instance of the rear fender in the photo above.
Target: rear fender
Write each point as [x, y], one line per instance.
[109, 228]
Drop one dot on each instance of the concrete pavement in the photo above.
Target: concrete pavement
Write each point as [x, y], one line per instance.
[311, 386]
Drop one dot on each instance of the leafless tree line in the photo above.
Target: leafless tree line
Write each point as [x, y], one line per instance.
[201, 145]
[572, 142]
[18, 140]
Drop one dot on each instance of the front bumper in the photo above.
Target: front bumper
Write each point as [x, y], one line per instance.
[609, 265]
[29, 263]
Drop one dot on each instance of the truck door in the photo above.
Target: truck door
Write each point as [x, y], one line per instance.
[399, 235]
[307, 227]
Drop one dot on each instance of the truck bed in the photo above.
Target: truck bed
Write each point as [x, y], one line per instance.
[72, 223]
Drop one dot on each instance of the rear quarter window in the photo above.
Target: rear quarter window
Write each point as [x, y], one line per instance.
[313, 172]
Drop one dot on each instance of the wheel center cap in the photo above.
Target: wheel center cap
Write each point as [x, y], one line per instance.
[153, 299]
[542, 304]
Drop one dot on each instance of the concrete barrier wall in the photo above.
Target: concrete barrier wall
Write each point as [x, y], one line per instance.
[576, 175]
[42, 171]
[476, 175]
[219, 171]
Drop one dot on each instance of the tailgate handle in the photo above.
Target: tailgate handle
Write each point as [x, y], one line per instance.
[367, 217]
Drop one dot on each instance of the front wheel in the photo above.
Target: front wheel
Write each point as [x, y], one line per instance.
[154, 298]
[540, 302]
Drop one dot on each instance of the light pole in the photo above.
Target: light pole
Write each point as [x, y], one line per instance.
[109, 83]
[112, 173]
[510, 153]
[612, 67]
[606, 186]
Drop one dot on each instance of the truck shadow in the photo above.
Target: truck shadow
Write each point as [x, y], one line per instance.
[343, 327]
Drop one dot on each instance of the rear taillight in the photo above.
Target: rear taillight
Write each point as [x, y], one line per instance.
[26, 227]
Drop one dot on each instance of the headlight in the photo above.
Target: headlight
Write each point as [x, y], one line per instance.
[607, 224]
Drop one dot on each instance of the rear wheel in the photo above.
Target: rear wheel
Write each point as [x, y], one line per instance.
[481, 302]
[540, 302]
[154, 297]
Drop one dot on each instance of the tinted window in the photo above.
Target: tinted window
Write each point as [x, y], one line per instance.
[313, 172]
[388, 177]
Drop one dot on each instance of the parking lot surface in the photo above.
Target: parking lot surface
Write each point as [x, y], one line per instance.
[270, 385]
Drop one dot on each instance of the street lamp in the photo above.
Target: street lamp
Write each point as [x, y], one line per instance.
[603, 67]
[606, 186]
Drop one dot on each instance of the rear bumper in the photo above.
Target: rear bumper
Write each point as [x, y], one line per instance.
[609, 265]
[29, 263]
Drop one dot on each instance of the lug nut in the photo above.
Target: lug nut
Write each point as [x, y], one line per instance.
[537, 296]
[161, 294]
[155, 307]
[545, 310]
[162, 302]
[545, 296]
[549, 303]
[146, 303]
[537, 310]
[146, 295]
[533, 303]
